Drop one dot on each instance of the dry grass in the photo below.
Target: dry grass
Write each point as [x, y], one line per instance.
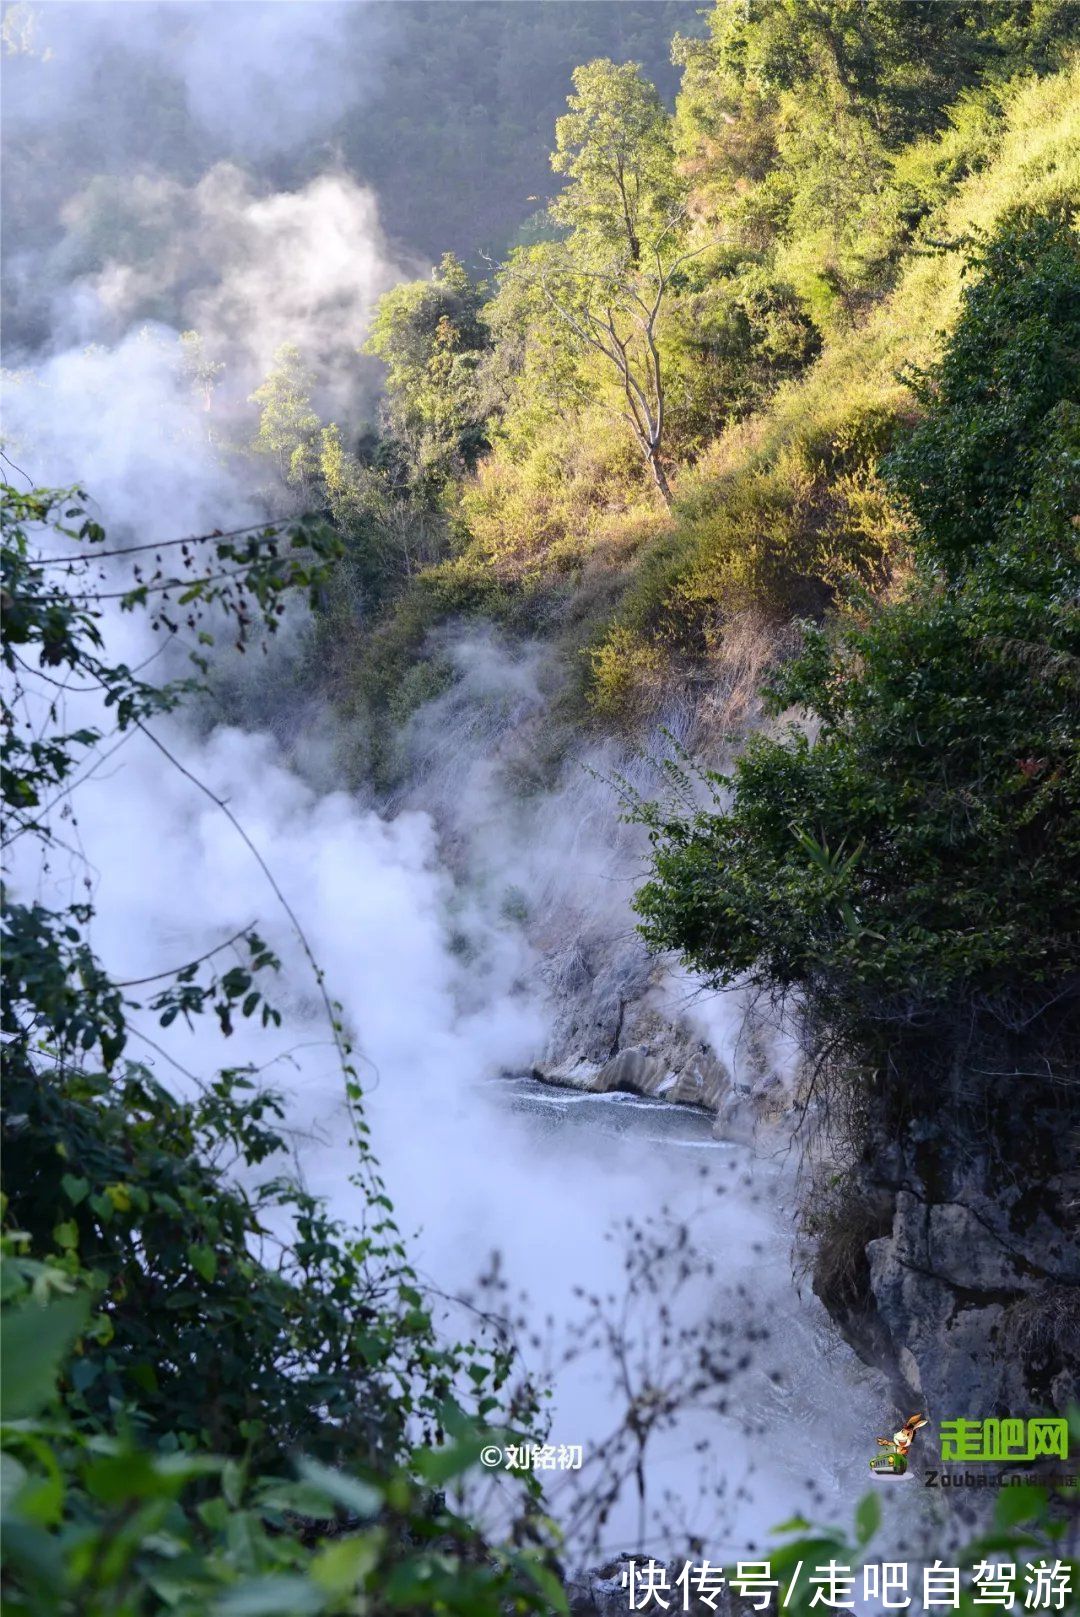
[784, 510]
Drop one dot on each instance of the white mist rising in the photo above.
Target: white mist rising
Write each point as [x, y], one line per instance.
[248, 272]
[441, 980]
[248, 78]
[415, 918]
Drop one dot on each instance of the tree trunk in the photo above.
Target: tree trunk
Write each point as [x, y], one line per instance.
[660, 478]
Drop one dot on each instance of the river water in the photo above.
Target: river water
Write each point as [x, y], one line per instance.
[694, 1258]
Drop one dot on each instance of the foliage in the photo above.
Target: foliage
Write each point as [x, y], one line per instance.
[918, 850]
[789, 117]
[201, 370]
[614, 145]
[288, 426]
[180, 1322]
[599, 294]
[567, 495]
[203, 1336]
[431, 339]
[242, 575]
[832, 162]
[628, 674]
[106, 1526]
[815, 446]
[990, 421]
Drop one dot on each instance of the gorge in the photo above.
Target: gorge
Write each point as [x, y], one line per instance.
[667, 884]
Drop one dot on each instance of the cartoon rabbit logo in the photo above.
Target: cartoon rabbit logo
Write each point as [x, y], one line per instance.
[893, 1462]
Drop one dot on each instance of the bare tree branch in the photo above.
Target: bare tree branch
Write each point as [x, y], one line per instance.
[629, 294]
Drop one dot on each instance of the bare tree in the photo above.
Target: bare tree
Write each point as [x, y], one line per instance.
[615, 312]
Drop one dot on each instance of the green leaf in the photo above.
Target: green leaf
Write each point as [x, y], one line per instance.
[31, 1549]
[1022, 1503]
[441, 1465]
[287, 1596]
[41, 1501]
[360, 1498]
[203, 1260]
[547, 1583]
[867, 1517]
[232, 1483]
[35, 1341]
[76, 1190]
[818, 1549]
[345, 1562]
[293, 1498]
[794, 1524]
[12, 1476]
[132, 1473]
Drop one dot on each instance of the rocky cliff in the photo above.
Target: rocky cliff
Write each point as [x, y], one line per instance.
[955, 1261]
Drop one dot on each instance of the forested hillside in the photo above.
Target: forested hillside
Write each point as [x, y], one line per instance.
[664, 422]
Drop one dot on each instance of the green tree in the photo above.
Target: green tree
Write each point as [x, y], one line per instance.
[201, 370]
[614, 145]
[610, 322]
[389, 530]
[601, 292]
[991, 421]
[792, 119]
[913, 869]
[430, 337]
[288, 432]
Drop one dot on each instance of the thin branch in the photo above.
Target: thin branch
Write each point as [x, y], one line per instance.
[137, 982]
[266, 531]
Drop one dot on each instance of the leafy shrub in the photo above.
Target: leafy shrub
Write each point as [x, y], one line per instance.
[190, 1350]
[990, 404]
[921, 851]
[549, 507]
[628, 675]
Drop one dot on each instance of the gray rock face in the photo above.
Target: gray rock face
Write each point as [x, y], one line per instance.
[972, 1297]
[961, 1280]
[615, 1030]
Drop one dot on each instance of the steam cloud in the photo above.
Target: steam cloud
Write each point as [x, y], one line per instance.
[406, 914]
[253, 78]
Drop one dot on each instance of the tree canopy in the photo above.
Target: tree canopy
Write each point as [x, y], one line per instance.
[615, 147]
[916, 849]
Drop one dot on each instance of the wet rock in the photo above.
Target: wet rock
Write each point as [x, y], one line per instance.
[613, 1032]
[737, 1118]
[973, 1293]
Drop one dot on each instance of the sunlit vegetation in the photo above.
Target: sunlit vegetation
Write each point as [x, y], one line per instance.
[769, 260]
